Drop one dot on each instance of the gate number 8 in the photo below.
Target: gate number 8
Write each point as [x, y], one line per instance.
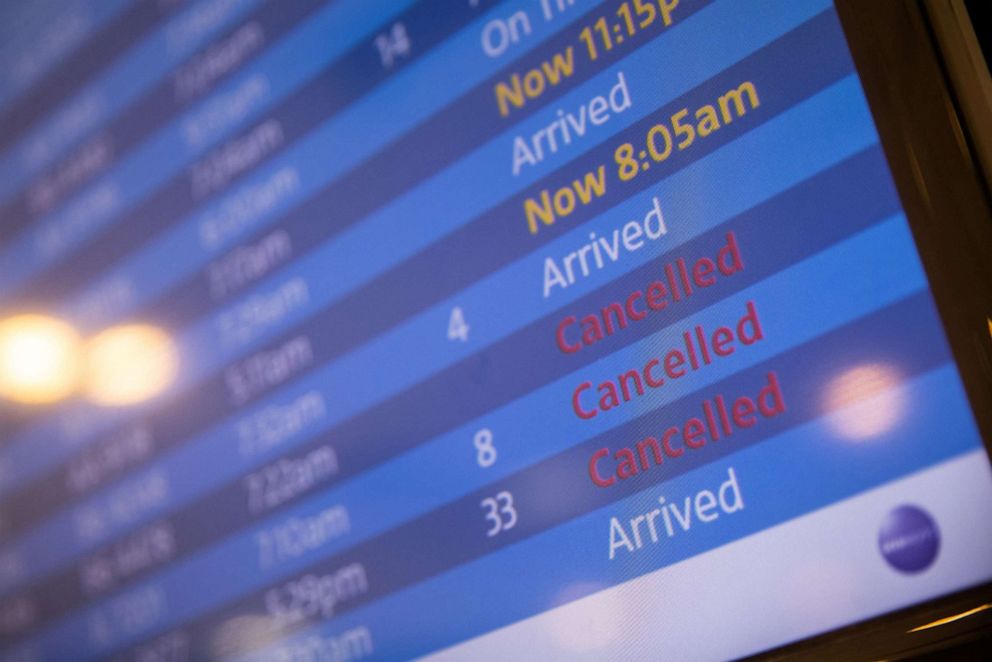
[485, 451]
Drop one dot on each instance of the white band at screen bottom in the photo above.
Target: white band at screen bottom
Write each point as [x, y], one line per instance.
[806, 576]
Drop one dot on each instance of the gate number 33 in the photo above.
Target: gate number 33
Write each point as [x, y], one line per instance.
[500, 512]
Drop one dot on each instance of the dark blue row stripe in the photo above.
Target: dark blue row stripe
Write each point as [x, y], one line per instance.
[191, 297]
[136, 122]
[483, 246]
[102, 48]
[349, 78]
[803, 221]
[446, 137]
[422, 548]
[169, 203]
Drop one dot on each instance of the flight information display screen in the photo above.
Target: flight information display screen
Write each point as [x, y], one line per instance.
[523, 330]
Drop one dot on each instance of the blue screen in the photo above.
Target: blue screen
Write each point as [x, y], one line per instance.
[533, 329]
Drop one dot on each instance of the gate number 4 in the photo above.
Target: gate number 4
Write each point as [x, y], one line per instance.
[457, 327]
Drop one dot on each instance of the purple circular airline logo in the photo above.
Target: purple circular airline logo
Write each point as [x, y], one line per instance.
[909, 539]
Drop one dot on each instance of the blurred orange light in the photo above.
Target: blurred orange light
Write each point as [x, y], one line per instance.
[864, 402]
[952, 619]
[39, 359]
[129, 364]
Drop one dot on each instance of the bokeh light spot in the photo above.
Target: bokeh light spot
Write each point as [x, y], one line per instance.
[129, 364]
[39, 359]
[864, 401]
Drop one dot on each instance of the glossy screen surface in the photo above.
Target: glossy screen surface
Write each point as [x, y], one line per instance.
[520, 330]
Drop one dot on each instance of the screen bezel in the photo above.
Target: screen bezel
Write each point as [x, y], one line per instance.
[933, 161]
